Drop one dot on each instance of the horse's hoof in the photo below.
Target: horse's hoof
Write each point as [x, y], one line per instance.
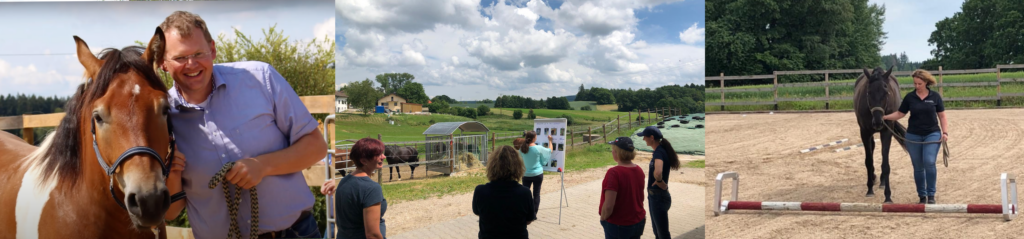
[888, 202]
[870, 195]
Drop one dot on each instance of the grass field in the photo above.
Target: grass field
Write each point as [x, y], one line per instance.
[579, 158]
[609, 107]
[600, 116]
[847, 91]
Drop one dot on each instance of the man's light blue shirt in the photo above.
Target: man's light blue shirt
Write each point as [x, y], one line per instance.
[251, 111]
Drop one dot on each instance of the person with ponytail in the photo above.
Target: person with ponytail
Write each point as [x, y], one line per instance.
[534, 159]
[658, 198]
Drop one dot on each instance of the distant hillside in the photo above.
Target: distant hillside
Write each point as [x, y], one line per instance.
[571, 97]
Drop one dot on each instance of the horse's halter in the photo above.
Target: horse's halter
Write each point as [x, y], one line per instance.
[130, 152]
[882, 108]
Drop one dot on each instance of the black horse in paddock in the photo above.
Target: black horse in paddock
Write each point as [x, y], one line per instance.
[876, 94]
[401, 154]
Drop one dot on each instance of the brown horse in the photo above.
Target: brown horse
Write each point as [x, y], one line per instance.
[101, 173]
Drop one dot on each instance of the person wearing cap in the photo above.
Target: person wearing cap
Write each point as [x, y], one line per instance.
[658, 198]
[622, 197]
[534, 158]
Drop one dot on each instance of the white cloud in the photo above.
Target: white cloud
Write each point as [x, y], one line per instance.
[597, 20]
[324, 29]
[692, 34]
[409, 16]
[610, 54]
[26, 79]
[514, 49]
[502, 52]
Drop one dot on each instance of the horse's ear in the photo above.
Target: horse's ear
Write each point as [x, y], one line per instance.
[889, 72]
[866, 73]
[89, 61]
[154, 50]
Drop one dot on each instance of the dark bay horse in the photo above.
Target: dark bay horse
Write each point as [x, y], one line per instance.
[61, 189]
[876, 94]
[401, 154]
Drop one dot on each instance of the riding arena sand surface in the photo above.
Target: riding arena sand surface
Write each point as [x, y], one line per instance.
[764, 149]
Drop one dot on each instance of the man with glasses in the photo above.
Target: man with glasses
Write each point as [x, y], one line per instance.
[242, 112]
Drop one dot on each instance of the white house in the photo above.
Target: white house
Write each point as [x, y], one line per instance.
[340, 101]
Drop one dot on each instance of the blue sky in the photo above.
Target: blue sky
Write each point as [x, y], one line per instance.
[908, 25]
[37, 48]
[472, 49]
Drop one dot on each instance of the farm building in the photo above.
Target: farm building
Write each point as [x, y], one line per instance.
[340, 101]
[410, 108]
[392, 102]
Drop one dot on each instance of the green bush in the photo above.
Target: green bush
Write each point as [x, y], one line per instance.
[586, 108]
[532, 115]
[569, 119]
[483, 110]
[518, 114]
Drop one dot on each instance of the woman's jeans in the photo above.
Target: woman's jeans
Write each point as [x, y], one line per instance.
[923, 157]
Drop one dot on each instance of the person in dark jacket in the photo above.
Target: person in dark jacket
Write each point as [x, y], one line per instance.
[505, 207]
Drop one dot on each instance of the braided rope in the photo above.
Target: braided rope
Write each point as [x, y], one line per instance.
[234, 231]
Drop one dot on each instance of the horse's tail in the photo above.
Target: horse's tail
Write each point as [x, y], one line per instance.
[901, 133]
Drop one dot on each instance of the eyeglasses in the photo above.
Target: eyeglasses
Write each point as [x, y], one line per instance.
[184, 59]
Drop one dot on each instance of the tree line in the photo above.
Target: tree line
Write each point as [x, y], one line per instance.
[21, 104]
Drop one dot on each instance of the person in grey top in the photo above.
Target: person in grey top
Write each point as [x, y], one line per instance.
[360, 203]
[242, 112]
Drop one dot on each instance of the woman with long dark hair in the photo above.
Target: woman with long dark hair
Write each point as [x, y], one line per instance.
[534, 159]
[659, 200]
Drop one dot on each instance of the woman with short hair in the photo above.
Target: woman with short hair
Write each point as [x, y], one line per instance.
[505, 207]
[622, 194]
[359, 201]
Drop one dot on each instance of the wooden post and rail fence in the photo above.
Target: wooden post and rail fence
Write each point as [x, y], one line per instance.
[774, 88]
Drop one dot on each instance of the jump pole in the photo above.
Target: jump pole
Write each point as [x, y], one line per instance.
[1007, 184]
[830, 144]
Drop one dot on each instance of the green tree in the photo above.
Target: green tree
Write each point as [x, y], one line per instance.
[517, 114]
[437, 106]
[392, 82]
[445, 98]
[983, 34]
[483, 110]
[362, 95]
[752, 37]
[413, 93]
[532, 115]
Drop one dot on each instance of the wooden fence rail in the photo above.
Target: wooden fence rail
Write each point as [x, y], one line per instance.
[774, 87]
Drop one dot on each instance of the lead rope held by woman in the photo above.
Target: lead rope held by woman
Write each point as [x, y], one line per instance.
[234, 232]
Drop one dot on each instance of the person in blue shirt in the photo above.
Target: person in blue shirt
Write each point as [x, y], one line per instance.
[534, 159]
[926, 112]
[241, 112]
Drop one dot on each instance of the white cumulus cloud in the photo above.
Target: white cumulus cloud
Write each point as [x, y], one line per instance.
[692, 34]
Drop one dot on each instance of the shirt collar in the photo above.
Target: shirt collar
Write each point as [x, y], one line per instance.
[178, 102]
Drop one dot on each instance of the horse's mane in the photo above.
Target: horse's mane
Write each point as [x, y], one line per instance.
[61, 153]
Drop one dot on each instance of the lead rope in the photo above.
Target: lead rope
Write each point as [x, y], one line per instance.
[234, 232]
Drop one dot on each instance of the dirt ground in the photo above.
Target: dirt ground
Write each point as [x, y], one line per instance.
[764, 150]
[406, 216]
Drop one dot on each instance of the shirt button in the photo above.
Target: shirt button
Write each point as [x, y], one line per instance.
[222, 155]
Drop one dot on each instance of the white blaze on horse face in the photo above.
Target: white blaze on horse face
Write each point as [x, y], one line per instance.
[135, 91]
[32, 197]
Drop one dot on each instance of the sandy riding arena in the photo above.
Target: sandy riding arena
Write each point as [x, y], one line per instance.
[765, 150]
